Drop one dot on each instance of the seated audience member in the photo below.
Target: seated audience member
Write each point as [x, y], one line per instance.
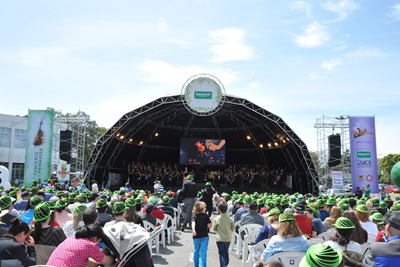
[243, 210]
[386, 253]
[322, 255]
[147, 216]
[344, 231]
[62, 215]
[28, 215]
[336, 212]
[322, 212]
[131, 215]
[89, 216]
[317, 226]
[6, 204]
[3, 231]
[82, 249]
[21, 205]
[157, 213]
[289, 238]
[102, 216]
[43, 233]
[251, 217]
[119, 210]
[272, 229]
[166, 207]
[14, 244]
[363, 215]
[77, 220]
[360, 235]
[93, 198]
[302, 221]
[172, 201]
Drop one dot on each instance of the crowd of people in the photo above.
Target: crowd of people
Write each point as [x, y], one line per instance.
[75, 221]
[142, 174]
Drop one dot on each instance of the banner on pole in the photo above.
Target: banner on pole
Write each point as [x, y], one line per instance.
[364, 167]
[39, 140]
[337, 179]
[63, 171]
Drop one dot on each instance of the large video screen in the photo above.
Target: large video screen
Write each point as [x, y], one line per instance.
[197, 151]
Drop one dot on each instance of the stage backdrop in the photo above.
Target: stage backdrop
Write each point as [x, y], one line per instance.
[364, 168]
[39, 140]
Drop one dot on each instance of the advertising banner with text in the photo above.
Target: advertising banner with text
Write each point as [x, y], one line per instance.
[39, 140]
[364, 168]
[337, 179]
[63, 171]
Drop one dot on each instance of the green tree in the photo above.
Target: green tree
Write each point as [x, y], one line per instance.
[387, 164]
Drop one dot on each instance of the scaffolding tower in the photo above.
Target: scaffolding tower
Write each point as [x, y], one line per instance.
[326, 126]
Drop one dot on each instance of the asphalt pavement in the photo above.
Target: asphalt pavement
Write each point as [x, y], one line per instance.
[179, 252]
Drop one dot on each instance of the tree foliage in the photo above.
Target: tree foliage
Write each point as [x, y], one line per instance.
[387, 164]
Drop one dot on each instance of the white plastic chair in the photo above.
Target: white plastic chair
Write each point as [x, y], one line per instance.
[249, 240]
[234, 238]
[364, 248]
[371, 238]
[289, 258]
[160, 222]
[157, 231]
[265, 216]
[171, 229]
[332, 229]
[325, 236]
[314, 241]
[256, 251]
[177, 217]
[248, 228]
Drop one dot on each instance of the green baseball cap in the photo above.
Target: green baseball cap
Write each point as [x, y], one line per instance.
[61, 203]
[273, 212]
[130, 202]
[119, 207]
[343, 223]
[72, 196]
[101, 203]
[375, 202]
[59, 194]
[376, 216]
[165, 199]
[34, 201]
[388, 198]
[41, 212]
[80, 209]
[189, 177]
[286, 217]
[344, 207]
[363, 208]
[208, 183]
[138, 201]
[5, 202]
[260, 202]
[321, 255]
[382, 205]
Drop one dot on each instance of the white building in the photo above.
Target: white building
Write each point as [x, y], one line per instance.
[13, 144]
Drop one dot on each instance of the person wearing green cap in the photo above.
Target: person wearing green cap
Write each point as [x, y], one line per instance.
[322, 255]
[77, 220]
[269, 230]
[362, 213]
[207, 197]
[6, 204]
[131, 215]
[102, 216]
[317, 226]
[189, 192]
[344, 231]
[388, 202]
[61, 213]
[28, 215]
[119, 211]
[289, 238]
[43, 233]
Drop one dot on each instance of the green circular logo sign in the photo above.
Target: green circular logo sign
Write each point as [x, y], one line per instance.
[203, 94]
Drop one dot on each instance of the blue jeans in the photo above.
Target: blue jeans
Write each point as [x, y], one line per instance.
[200, 251]
[223, 251]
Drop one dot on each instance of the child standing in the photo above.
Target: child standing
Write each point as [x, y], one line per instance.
[200, 225]
[223, 225]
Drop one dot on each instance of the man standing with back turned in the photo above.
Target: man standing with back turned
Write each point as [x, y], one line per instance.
[189, 190]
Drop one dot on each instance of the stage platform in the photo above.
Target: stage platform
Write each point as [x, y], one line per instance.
[219, 190]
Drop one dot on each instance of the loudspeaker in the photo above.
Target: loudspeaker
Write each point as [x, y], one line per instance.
[66, 145]
[334, 150]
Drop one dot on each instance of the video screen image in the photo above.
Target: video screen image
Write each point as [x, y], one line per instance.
[197, 151]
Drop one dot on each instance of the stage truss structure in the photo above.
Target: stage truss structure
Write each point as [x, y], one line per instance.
[171, 106]
[327, 126]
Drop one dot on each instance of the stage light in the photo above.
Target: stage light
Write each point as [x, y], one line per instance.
[141, 143]
[130, 140]
[248, 137]
[269, 144]
[261, 145]
[287, 138]
[118, 134]
[122, 137]
[276, 144]
[284, 141]
[156, 134]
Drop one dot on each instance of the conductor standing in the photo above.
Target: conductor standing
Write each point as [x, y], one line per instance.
[189, 191]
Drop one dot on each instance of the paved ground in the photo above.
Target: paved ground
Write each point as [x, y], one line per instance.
[179, 253]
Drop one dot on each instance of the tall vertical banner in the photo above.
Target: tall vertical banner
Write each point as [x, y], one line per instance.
[39, 140]
[337, 179]
[364, 167]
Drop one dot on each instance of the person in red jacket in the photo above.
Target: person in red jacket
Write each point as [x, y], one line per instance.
[302, 221]
[157, 213]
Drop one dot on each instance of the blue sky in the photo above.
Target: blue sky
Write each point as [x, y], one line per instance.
[297, 59]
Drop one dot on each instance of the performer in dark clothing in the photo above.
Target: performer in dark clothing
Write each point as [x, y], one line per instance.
[189, 191]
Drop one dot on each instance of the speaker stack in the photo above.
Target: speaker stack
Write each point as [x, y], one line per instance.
[66, 138]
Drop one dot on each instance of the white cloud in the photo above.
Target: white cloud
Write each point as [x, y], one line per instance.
[229, 45]
[301, 5]
[255, 84]
[394, 14]
[314, 35]
[341, 47]
[162, 72]
[313, 76]
[178, 42]
[364, 53]
[342, 8]
[162, 25]
[330, 65]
